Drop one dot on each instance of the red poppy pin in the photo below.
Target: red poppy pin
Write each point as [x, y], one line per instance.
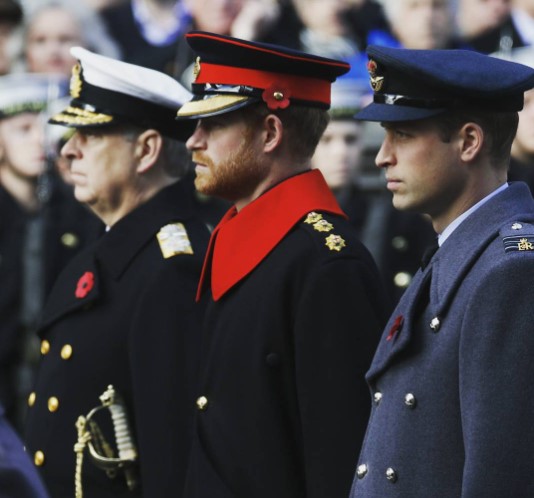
[276, 97]
[397, 325]
[85, 284]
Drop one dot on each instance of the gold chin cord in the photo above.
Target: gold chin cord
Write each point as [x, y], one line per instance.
[101, 452]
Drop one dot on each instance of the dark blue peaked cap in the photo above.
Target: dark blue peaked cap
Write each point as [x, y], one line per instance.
[231, 73]
[415, 84]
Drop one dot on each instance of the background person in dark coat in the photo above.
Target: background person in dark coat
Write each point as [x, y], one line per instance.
[294, 299]
[122, 312]
[41, 228]
[452, 413]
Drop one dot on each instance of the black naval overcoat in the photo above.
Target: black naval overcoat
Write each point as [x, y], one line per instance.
[294, 313]
[123, 315]
[452, 376]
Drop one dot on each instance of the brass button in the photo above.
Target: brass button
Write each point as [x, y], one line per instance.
[69, 239]
[202, 403]
[361, 471]
[53, 404]
[45, 346]
[31, 399]
[377, 397]
[39, 458]
[66, 351]
[400, 243]
[410, 401]
[391, 475]
[278, 96]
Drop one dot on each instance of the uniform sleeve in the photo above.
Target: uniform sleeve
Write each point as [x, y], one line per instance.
[162, 351]
[496, 372]
[337, 328]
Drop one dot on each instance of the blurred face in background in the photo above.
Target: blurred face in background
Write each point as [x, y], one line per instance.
[50, 35]
[523, 146]
[323, 16]
[475, 17]
[421, 24]
[216, 16]
[338, 154]
[22, 151]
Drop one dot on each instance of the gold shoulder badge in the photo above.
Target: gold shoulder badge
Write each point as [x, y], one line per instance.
[196, 69]
[76, 81]
[313, 218]
[525, 245]
[335, 242]
[376, 81]
[173, 240]
[323, 226]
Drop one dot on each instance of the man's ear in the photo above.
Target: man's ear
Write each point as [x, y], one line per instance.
[471, 141]
[147, 149]
[273, 132]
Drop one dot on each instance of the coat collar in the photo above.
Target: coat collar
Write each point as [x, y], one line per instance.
[241, 241]
[449, 266]
[128, 236]
[114, 251]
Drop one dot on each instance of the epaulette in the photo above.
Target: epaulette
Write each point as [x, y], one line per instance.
[173, 240]
[318, 223]
[517, 236]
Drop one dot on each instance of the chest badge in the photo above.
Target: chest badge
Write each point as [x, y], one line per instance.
[173, 240]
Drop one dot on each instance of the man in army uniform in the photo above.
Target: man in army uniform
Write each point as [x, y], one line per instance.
[452, 413]
[116, 327]
[294, 298]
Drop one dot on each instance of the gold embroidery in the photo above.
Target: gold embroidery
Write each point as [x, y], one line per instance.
[335, 242]
[173, 240]
[525, 245]
[76, 81]
[313, 218]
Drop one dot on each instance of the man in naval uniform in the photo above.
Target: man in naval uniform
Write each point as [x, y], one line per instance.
[294, 299]
[451, 378]
[116, 327]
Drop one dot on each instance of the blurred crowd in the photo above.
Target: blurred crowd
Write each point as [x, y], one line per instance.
[42, 226]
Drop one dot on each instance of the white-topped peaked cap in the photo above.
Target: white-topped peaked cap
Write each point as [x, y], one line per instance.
[106, 91]
[25, 92]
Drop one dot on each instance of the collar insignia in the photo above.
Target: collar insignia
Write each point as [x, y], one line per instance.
[173, 240]
[76, 81]
[376, 81]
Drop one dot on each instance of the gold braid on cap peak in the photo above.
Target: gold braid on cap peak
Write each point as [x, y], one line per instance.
[77, 116]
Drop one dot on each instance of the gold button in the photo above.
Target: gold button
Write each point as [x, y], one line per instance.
[31, 399]
[69, 239]
[66, 351]
[278, 96]
[53, 404]
[39, 458]
[45, 346]
[202, 403]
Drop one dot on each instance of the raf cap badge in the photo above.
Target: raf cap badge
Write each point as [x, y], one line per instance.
[376, 81]
[173, 240]
[76, 81]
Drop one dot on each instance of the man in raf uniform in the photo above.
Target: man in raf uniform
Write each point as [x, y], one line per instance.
[294, 299]
[116, 348]
[450, 381]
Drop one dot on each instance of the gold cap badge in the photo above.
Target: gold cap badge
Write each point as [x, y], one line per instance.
[173, 240]
[196, 69]
[76, 81]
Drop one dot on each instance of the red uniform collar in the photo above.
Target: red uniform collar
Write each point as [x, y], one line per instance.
[242, 240]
